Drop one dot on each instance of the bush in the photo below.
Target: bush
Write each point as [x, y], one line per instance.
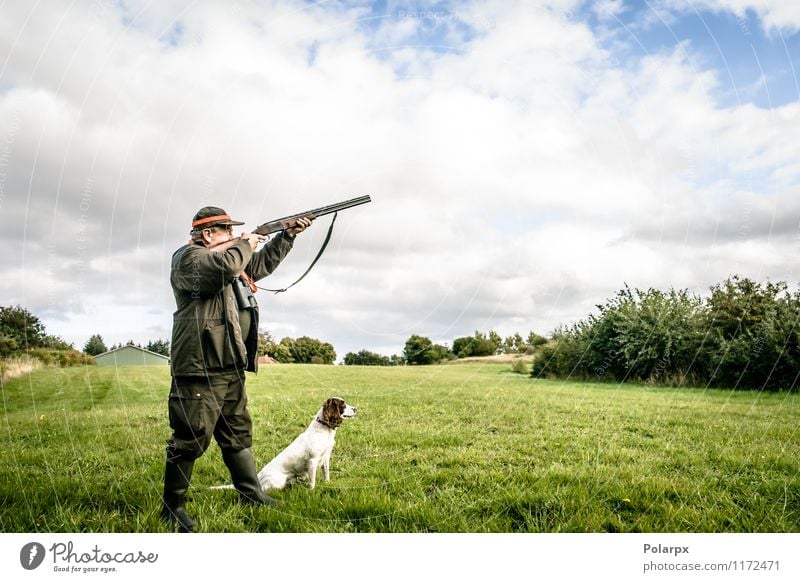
[754, 331]
[658, 335]
[61, 358]
[367, 358]
[519, 367]
[562, 357]
[478, 345]
[745, 335]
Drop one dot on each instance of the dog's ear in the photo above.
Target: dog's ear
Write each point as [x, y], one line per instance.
[331, 413]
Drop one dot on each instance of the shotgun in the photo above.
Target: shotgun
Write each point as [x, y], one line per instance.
[244, 289]
[280, 224]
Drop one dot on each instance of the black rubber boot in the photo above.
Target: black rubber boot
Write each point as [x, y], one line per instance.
[177, 474]
[245, 480]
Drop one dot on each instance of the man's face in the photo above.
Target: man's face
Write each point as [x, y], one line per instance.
[217, 234]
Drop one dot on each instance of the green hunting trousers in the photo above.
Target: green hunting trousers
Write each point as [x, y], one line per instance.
[202, 407]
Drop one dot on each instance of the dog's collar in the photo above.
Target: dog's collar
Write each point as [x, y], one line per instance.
[326, 423]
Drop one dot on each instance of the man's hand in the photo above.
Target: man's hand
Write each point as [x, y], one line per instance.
[253, 239]
[302, 224]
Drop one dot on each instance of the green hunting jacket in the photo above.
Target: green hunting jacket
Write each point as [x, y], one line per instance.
[206, 332]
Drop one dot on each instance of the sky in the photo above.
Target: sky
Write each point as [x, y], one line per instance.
[525, 160]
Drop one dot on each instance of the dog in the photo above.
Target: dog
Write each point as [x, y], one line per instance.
[310, 450]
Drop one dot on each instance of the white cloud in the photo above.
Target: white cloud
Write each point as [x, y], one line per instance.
[773, 14]
[517, 179]
[608, 9]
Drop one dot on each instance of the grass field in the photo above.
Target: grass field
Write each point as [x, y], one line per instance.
[467, 448]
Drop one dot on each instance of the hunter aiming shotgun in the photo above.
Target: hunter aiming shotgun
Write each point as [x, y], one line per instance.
[245, 288]
[214, 342]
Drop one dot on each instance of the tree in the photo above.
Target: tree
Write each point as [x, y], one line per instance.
[421, 350]
[366, 358]
[278, 351]
[19, 330]
[495, 339]
[158, 346]
[462, 347]
[303, 350]
[534, 339]
[284, 351]
[266, 343]
[308, 350]
[54, 342]
[95, 346]
[417, 350]
[442, 352]
[477, 345]
[514, 344]
[8, 345]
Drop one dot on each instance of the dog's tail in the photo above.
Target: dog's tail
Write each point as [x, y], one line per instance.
[222, 487]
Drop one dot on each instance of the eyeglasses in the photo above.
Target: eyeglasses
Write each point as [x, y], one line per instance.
[227, 227]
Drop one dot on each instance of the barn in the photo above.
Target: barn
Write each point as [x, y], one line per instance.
[131, 356]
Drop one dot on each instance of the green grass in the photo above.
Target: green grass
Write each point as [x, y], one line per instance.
[467, 448]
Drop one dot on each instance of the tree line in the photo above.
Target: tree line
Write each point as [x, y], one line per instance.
[95, 346]
[302, 350]
[744, 335]
[24, 334]
[420, 350]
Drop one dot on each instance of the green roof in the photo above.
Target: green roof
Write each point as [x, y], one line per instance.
[131, 356]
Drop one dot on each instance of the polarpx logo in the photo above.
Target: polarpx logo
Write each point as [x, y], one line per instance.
[31, 555]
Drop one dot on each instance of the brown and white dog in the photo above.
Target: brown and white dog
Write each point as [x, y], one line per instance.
[310, 450]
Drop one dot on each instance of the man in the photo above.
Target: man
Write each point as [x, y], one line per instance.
[214, 340]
